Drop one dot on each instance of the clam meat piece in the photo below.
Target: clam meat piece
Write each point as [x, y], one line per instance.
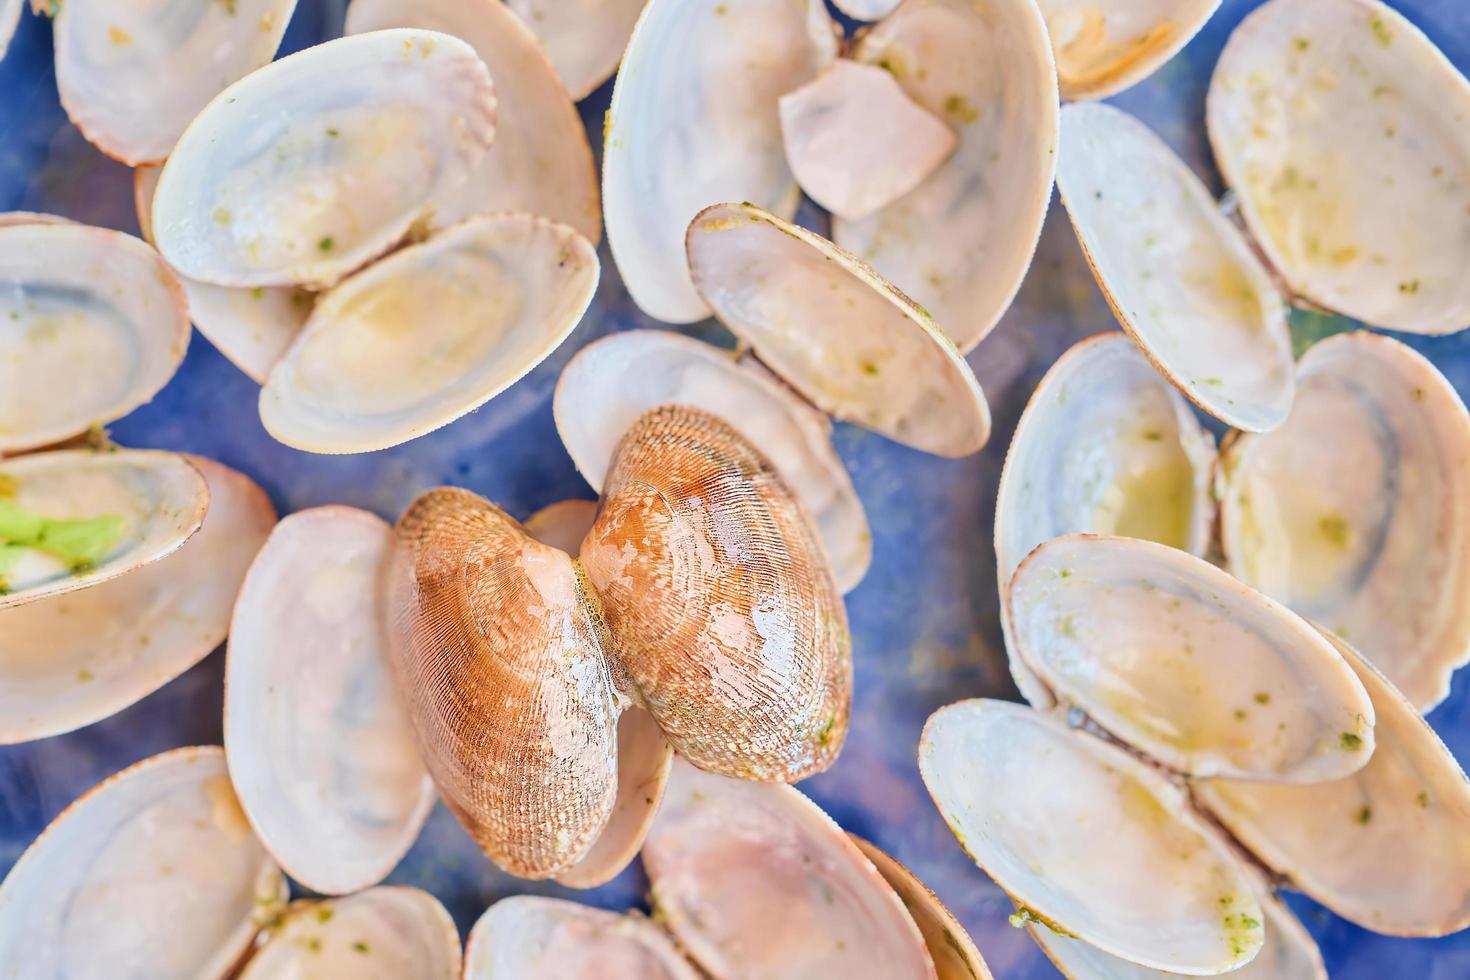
[1341, 128]
[321, 749]
[612, 381]
[855, 112]
[430, 333]
[1030, 800]
[77, 658]
[563, 524]
[1387, 848]
[541, 162]
[152, 873]
[1181, 279]
[719, 602]
[1105, 46]
[533, 938]
[1356, 512]
[693, 121]
[961, 242]
[310, 167]
[74, 518]
[584, 39]
[95, 326]
[836, 331]
[1179, 660]
[756, 882]
[133, 75]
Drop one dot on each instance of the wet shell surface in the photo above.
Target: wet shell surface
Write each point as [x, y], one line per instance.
[686, 129]
[1105, 46]
[1030, 800]
[533, 938]
[378, 127]
[94, 327]
[1356, 512]
[1342, 129]
[1182, 280]
[428, 334]
[80, 657]
[612, 381]
[584, 38]
[10, 11]
[836, 331]
[133, 75]
[563, 524]
[756, 882]
[91, 899]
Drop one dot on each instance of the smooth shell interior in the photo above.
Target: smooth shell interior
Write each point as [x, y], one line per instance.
[533, 938]
[584, 38]
[563, 524]
[866, 9]
[10, 11]
[1105, 46]
[1182, 280]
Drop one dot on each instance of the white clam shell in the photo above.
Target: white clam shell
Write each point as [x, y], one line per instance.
[10, 11]
[866, 9]
[1105, 46]
[563, 524]
[584, 38]
[533, 938]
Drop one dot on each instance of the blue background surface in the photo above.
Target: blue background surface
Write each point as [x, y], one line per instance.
[924, 620]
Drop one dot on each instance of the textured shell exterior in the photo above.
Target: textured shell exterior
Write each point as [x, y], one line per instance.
[719, 601]
[533, 938]
[584, 38]
[1356, 512]
[510, 694]
[1352, 181]
[1105, 46]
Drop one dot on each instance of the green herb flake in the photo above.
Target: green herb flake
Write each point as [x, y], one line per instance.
[333, 132]
[1422, 799]
[1350, 742]
[958, 106]
[361, 947]
[1302, 43]
[1262, 697]
[324, 914]
[1380, 30]
[326, 244]
[1363, 816]
[78, 543]
[1410, 287]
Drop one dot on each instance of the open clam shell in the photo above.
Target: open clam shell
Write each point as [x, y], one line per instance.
[1181, 279]
[430, 333]
[961, 242]
[756, 882]
[836, 331]
[1030, 801]
[1341, 128]
[376, 128]
[152, 873]
[77, 658]
[693, 121]
[583, 38]
[1105, 46]
[132, 76]
[95, 326]
[563, 524]
[1178, 659]
[10, 11]
[1356, 512]
[533, 938]
[612, 381]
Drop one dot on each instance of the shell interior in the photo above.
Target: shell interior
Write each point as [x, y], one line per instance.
[535, 938]
[583, 38]
[1105, 46]
[563, 524]
[10, 11]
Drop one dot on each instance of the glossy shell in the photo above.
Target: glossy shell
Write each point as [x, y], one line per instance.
[10, 11]
[533, 938]
[563, 524]
[1105, 46]
[584, 38]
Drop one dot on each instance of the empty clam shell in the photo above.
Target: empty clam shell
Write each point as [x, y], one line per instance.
[321, 749]
[756, 882]
[694, 120]
[563, 524]
[95, 326]
[429, 333]
[1182, 280]
[533, 938]
[1355, 512]
[866, 9]
[1341, 128]
[961, 242]
[1105, 46]
[584, 38]
[612, 381]
[152, 873]
[541, 161]
[77, 658]
[1180, 660]
[836, 331]
[374, 129]
[9, 20]
[75, 518]
[1031, 800]
[132, 76]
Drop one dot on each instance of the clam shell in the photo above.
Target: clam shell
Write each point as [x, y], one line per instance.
[78, 658]
[533, 938]
[374, 129]
[1105, 46]
[541, 161]
[321, 749]
[428, 334]
[1031, 801]
[836, 331]
[612, 381]
[583, 38]
[719, 601]
[756, 882]
[1181, 279]
[159, 498]
[95, 327]
[1341, 128]
[1181, 661]
[961, 242]
[9, 21]
[866, 9]
[563, 524]
[133, 75]
[152, 873]
[1356, 512]
[687, 128]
